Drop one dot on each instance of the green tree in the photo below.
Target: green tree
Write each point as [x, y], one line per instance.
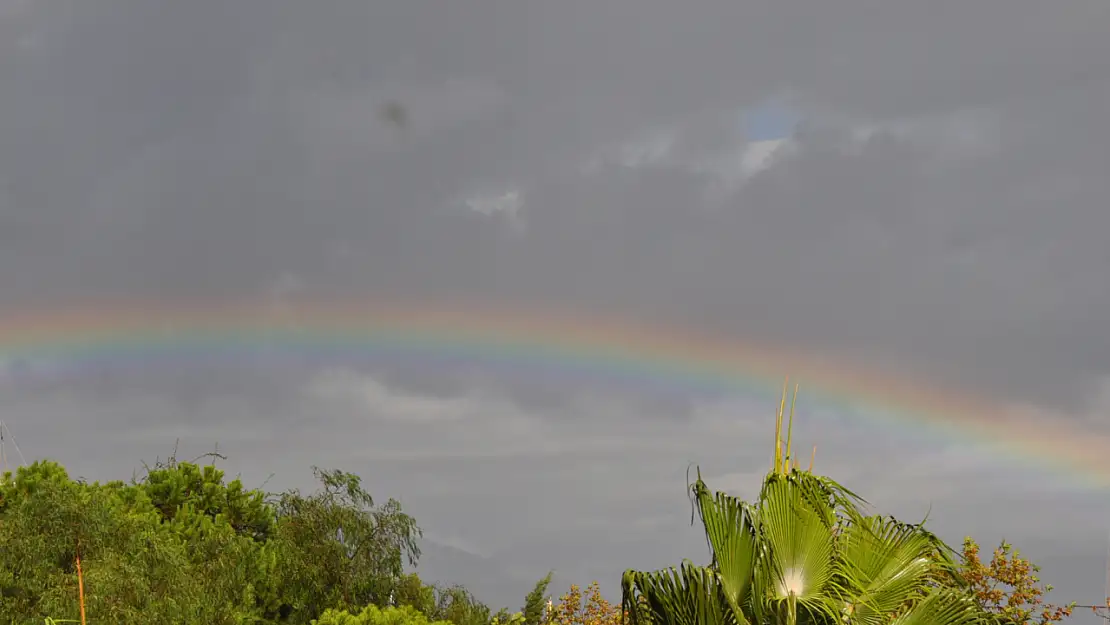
[337, 549]
[373, 615]
[803, 553]
[136, 567]
[410, 590]
[181, 546]
[504, 617]
[172, 485]
[452, 603]
[535, 601]
[532, 613]
[457, 605]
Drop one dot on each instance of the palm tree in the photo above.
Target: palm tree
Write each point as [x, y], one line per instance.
[803, 553]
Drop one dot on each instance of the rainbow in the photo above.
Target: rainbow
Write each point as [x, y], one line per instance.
[538, 344]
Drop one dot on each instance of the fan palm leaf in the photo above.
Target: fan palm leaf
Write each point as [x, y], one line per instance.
[883, 564]
[689, 595]
[799, 565]
[946, 607]
[803, 553]
[731, 533]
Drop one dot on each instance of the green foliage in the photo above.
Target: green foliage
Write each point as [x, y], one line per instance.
[452, 603]
[803, 553]
[173, 486]
[534, 602]
[137, 566]
[504, 618]
[338, 550]
[182, 546]
[373, 615]
[457, 605]
[411, 591]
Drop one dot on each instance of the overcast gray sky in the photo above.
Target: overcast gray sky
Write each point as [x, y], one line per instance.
[915, 187]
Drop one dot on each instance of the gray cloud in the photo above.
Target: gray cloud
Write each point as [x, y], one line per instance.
[938, 213]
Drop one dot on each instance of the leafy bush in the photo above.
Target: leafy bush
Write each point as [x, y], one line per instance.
[373, 615]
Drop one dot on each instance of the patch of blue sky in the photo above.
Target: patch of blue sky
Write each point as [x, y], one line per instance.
[773, 119]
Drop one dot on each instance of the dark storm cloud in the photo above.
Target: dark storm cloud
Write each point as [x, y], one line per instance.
[210, 149]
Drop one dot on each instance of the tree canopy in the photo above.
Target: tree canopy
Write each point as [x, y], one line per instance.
[182, 545]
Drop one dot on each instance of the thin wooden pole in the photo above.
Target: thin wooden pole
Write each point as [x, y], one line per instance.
[81, 587]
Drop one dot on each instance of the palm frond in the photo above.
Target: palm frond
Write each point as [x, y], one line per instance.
[730, 531]
[799, 564]
[690, 595]
[946, 607]
[883, 564]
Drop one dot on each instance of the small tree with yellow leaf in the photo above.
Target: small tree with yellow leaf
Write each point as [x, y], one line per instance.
[1009, 586]
[578, 607]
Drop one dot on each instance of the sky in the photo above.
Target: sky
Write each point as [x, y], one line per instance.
[916, 189]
